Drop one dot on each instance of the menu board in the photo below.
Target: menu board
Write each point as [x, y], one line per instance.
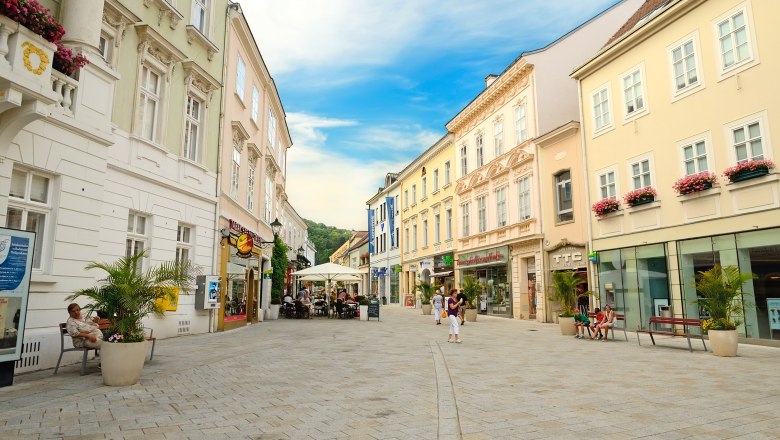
[773, 308]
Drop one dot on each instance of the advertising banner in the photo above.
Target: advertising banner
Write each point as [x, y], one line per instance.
[16, 254]
[391, 219]
[371, 231]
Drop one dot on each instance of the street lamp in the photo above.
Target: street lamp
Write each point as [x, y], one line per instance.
[276, 227]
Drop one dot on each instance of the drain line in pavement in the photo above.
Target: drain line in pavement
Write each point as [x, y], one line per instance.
[449, 418]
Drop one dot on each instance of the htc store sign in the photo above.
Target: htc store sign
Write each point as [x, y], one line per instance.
[567, 257]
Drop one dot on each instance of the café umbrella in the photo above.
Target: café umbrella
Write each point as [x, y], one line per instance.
[329, 272]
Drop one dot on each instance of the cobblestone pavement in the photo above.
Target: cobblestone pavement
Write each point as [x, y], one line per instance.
[399, 379]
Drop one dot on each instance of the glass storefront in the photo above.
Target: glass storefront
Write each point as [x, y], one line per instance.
[394, 285]
[490, 268]
[756, 252]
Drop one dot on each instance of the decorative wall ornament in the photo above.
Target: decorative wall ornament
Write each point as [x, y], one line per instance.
[43, 59]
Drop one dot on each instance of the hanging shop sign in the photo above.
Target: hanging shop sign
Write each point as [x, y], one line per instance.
[443, 262]
[244, 245]
[488, 257]
[241, 230]
[567, 257]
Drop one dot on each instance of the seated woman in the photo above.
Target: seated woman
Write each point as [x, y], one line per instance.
[608, 322]
[79, 327]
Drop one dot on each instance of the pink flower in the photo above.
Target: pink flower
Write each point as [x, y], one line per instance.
[605, 206]
[695, 183]
[750, 165]
[636, 195]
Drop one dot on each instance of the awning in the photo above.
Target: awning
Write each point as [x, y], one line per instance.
[441, 274]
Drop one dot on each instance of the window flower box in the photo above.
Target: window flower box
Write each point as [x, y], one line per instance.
[748, 170]
[605, 206]
[694, 183]
[640, 196]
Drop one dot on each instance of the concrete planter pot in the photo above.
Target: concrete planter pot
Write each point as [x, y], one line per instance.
[567, 325]
[723, 342]
[364, 313]
[471, 315]
[426, 309]
[273, 312]
[122, 363]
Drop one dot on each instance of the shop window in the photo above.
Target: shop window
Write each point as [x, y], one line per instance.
[29, 207]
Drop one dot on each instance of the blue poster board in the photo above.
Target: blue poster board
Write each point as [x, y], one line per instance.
[16, 256]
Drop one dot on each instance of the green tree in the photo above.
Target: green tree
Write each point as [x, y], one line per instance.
[326, 239]
[279, 265]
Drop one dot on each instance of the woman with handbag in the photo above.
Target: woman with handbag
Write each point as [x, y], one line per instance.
[438, 306]
[453, 304]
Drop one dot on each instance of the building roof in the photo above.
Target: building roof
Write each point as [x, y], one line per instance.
[647, 8]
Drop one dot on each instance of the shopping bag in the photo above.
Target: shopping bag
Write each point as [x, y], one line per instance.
[443, 313]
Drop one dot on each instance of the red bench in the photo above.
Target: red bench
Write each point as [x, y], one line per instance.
[685, 323]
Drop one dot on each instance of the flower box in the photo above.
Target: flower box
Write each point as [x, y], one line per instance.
[694, 183]
[748, 170]
[640, 196]
[605, 206]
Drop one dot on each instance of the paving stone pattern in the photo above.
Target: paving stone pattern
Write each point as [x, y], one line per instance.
[398, 378]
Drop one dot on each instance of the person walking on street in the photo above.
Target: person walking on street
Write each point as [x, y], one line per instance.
[438, 306]
[462, 308]
[453, 305]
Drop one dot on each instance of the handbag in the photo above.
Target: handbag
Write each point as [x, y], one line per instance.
[443, 313]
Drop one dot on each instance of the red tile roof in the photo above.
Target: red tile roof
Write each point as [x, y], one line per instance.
[646, 9]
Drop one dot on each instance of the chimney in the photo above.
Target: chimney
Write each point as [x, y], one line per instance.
[489, 80]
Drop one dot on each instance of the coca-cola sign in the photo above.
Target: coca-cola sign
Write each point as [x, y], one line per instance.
[487, 257]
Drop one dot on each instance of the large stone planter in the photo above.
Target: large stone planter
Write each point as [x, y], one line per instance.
[122, 363]
[567, 325]
[471, 315]
[426, 309]
[723, 342]
[364, 313]
[273, 311]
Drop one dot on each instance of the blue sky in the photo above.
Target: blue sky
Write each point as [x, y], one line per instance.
[368, 85]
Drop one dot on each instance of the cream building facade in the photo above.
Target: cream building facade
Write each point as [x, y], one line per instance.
[428, 212]
[685, 88]
[501, 239]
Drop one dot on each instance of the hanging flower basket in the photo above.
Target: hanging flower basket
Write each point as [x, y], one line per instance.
[748, 170]
[640, 196]
[694, 183]
[605, 206]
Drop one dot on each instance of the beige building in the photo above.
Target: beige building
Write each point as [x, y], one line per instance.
[685, 88]
[251, 190]
[501, 189]
[428, 218]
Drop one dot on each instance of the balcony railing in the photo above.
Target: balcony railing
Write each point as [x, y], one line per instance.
[65, 88]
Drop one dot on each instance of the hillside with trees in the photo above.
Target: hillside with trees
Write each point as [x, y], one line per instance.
[326, 239]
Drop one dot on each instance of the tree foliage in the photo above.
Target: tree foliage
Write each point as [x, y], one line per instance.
[279, 265]
[326, 239]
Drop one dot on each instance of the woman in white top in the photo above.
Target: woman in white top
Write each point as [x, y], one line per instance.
[438, 306]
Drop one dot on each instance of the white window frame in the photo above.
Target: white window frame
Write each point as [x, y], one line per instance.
[414, 237]
[692, 142]
[646, 177]
[271, 129]
[479, 145]
[425, 233]
[498, 137]
[269, 198]
[184, 241]
[26, 205]
[685, 62]
[447, 173]
[482, 213]
[406, 199]
[448, 222]
[766, 145]
[607, 189]
[561, 212]
[150, 98]
[521, 123]
[235, 172]
[604, 97]
[424, 188]
[751, 58]
[136, 237]
[465, 218]
[255, 105]
[501, 211]
[240, 77]
[414, 194]
[436, 180]
[525, 200]
[193, 124]
[635, 94]
[201, 7]
[436, 228]
[250, 187]
[464, 159]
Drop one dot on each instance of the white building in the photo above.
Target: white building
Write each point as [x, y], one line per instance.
[385, 264]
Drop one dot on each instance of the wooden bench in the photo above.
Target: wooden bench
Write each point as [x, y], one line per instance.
[64, 349]
[618, 317]
[686, 323]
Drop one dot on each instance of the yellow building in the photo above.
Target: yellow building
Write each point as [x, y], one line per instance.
[428, 218]
[685, 88]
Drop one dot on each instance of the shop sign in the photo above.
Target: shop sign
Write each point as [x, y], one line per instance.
[426, 263]
[267, 274]
[442, 262]
[412, 268]
[244, 245]
[239, 229]
[567, 257]
[487, 257]
[379, 271]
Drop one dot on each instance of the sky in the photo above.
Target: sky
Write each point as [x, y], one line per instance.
[368, 85]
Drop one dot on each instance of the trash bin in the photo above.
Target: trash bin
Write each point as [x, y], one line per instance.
[384, 300]
[665, 312]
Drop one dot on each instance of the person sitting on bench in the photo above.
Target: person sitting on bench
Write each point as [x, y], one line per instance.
[608, 322]
[581, 322]
[595, 331]
[79, 327]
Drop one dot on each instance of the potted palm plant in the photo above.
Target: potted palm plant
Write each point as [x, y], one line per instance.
[127, 294]
[427, 290]
[471, 289]
[564, 291]
[720, 294]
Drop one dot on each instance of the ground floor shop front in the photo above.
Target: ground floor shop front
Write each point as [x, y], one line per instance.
[659, 279]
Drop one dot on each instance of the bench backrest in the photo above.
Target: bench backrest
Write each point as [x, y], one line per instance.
[693, 322]
[618, 316]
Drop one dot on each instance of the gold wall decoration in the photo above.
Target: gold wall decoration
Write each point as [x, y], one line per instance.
[43, 59]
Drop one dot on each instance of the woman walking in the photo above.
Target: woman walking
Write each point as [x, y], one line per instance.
[438, 306]
[453, 304]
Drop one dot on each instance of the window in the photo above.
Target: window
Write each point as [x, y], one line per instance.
[414, 237]
[29, 207]
[480, 151]
[200, 15]
[640, 174]
[607, 187]
[149, 105]
[563, 197]
[425, 233]
[271, 128]
[269, 198]
[406, 198]
[524, 189]
[435, 180]
[747, 142]
[234, 174]
[734, 40]
[695, 157]
[498, 137]
[136, 236]
[448, 221]
[632, 92]
[183, 242]
[250, 188]
[464, 160]
[482, 213]
[255, 104]
[396, 205]
[446, 173]
[521, 126]
[192, 129]
[437, 229]
[501, 207]
[104, 47]
[397, 238]
[465, 214]
[684, 66]
[240, 77]
[414, 194]
[601, 116]
[406, 239]
[424, 187]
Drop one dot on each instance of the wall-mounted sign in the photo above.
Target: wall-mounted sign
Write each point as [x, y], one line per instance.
[488, 257]
[16, 253]
[443, 262]
[169, 302]
[567, 257]
[244, 245]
